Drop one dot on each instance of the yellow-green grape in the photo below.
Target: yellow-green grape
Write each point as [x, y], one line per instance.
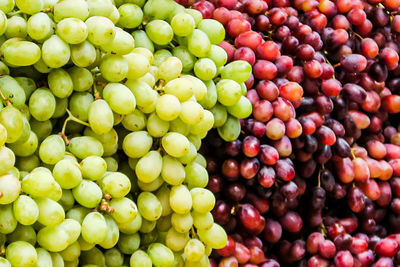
[12, 90]
[16, 27]
[199, 88]
[22, 53]
[112, 233]
[21, 254]
[79, 105]
[52, 149]
[93, 167]
[132, 226]
[170, 68]
[27, 84]
[190, 156]
[60, 83]
[156, 126]
[131, 16]
[211, 99]
[7, 160]
[71, 8]
[8, 221]
[116, 184]
[100, 117]
[198, 43]
[50, 212]
[82, 78]
[214, 237]
[11, 118]
[175, 144]
[101, 30]
[72, 252]
[228, 92]
[180, 87]
[23, 233]
[112, 164]
[204, 125]
[242, 109]
[205, 69]
[7, 6]
[202, 220]
[185, 56]
[182, 223]
[42, 104]
[26, 131]
[200, 159]
[160, 255]
[125, 210]
[61, 108]
[72, 228]
[142, 40]
[192, 112]
[67, 174]
[128, 244]
[92, 257]
[10, 187]
[122, 44]
[194, 250]
[3, 135]
[134, 121]
[120, 98]
[164, 223]
[77, 213]
[203, 200]
[163, 195]
[218, 55]
[140, 259]
[83, 54]
[87, 194]
[137, 144]
[41, 67]
[29, 6]
[56, 192]
[152, 186]
[147, 226]
[179, 126]
[214, 30]
[182, 24]
[180, 199]
[203, 262]
[196, 175]
[195, 140]
[43, 258]
[108, 140]
[72, 30]
[220, 115]
[230, 131]
[94, 228]
[3, 22]
[67, 200]
[160, 56]
[39, 183]
[138, 65]
[85, 246]
[56, 259]
[40, 26]
[197, 16]
[114, 68]
[55, 52]
[25, 210]
[176, 241]
[145, 52]
[172, 171]
[26, 148]
[114, 257]
[160, 32]
[149, 167]
[149, 206]
[100, 7]
[144, 94]
[168, 107]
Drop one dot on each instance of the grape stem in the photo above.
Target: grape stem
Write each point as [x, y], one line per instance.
[357, 35]
[48, 10]
[96, 93]
[70, 118]
[14, 13]
[8, 101]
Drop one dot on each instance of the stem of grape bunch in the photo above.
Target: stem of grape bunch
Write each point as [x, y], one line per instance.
[5, 99]
[70, 118]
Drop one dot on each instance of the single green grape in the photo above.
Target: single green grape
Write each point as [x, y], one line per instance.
[149, 206]
[99, 7]
[160, 56]
[39, 183]
[101, 30]
[194, 250]
[170, 68]
[131, 16]
[220, 115]
[40, 27]
[87, 194]
[12, 120]
[214, 30]
[67, 173]
[67, 200]
[134, 121]
[114, 257]
[142, 40]
[196, 175]
[72, 252]
[100, 117]
[122, 44]
[218, 55]
[172, 171]
[228, 91]
[176, 241]
[238, 71]
[22, 53]
[140, 259]
[7, 160]
[71, 8]
[214, 237]
[55, 52]
[120, 98]
[168, 107]
[149, 167]
[199, 88]
[93, 167]
[125, 210]
[112, 233]
[56, 259]
[60, 83]
[157, 127]
[10, 188]
[180, 199]
[175, 144]
[160, 255]
[52, 149]
[25, 209]
[202, 220]
[159, 31]
[137, 144]
[115, 184]
[211, 99]
[16, 27]
[242, 109]
[94, 228]
[198, 43]
[83, 54]
[147, 226]
[203, 200]
[7, 6]
[206, 123]
[190, 156]
[182, 24]
[205, 69]
[128, 244]
[8, 221]
[114, 68]
[197, 16]
[230, 131]
[186, 58]
[79, 105]
[21, 254]
[50, 212]
[192, 112]
[132, 226]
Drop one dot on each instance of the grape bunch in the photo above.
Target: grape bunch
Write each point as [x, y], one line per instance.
[103, 109]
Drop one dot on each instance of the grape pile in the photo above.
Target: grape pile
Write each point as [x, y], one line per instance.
[313, 178]
[103, 109]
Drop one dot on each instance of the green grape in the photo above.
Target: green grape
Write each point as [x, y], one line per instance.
[50, 212]
[120, 98]
[4, 262]
[61, 108]
[108, 140]
[132, 226]
[26, 131]
[71, 8]
[202, 220]
[196, 175]
[138, 65]
[185, 57]
[192, 112]
[12, 91]
[7, 6]
[214, 237]
[205, 69]
[67, 173]
[10, 186]
[175, 144]
[140, 259]
[122, 44]
[72, 252]
[159, 31]
[60, 83]
[164, 223]
[113, 257]
[87, 194]
[203, 262]
[116, 184]
[218, 55]
[182, 223]
[178, 9]
[52, 149]
[200, 159]
[228, 92]
[56, 192]
[149, 167]
[152, 186]
[128, 244]
[156, 126]
[43, 258]
[56, 259]
[160, 255]
[101, 30]
[190, 156]
[131, 16]
[238, 71]
[80, 104]
[23, 233]
[148, 78]
[197, 16]
[196, 141]
[112, 164]
[7, 160]
[194, 250]
[176, 241]
[203, 200]
[172, 171]
[16, 27]
[137, 144]
[49, 3]
[211, 99]
[242, 109]
[67, 200]
[230, 131]
[83, 54]
[82, 78]
[170, 68]
[93, 256]
[168, 107]
[125, 210]
[42, 129]
[55, 52]
[100, 117]
[99, 7]
[25, 209]
[114, 68]
[3, 135]
[93, 167]
[21, 53]
[72, 30]
[163, 196]
[77, 213]
[149, 206]
[39, 183]
[142, 40]
[21, 254]
[72, 228]
[4, 70]
[75, 263]
[8, 221]
[220, 115]
[198, 43]
[180, 199]
[182, 24]
[41, 67]
[179, 126]
[53, 238]
[112, 233]
[94, 228]
[145, 52]
[27, 164]
[143, 92]
[160, 56]
[199, 88]
[147, 226]
[134, 121]
[214, 30]
[204, 125]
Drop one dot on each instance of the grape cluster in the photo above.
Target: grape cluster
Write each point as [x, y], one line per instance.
[103, 108]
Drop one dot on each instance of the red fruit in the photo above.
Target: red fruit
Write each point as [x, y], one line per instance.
[242, 253]
[386, 247]
[291, 91]
[237, 26]
[391, 103]
[229, 249]
[327, 249]
[222, 14]
[283, 109]
[369, 48]
[272, 231]
[344, 259]
[291, 222]
[345, 169]
[313, 242]
[268, 50]
[256, 255]
[264, 70]
[358, 245]
[229, 49]
[263, 110]
[249, 39]
[361, 170]
[249, 216]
